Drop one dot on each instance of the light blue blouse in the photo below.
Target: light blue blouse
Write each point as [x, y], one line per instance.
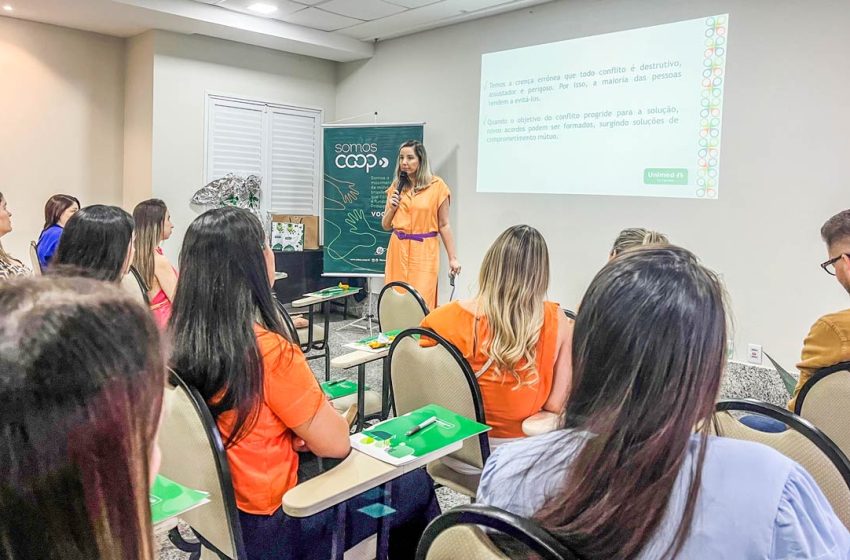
[754, 503]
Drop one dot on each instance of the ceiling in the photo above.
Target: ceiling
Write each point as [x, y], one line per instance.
[340, 30]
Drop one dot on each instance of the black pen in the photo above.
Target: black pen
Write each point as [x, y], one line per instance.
[337, 382]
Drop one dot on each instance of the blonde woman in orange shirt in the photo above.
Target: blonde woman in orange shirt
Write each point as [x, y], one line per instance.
[417, 212]
[517, 343]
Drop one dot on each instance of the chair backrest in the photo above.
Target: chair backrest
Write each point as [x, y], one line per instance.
[825, 402]
[193, 455]
[36, 265]
[802, 442]
[438, 374]
[457, 534]
[400, 307]
[133, 284]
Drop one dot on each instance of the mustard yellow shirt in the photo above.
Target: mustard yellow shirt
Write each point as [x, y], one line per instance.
[827, 343]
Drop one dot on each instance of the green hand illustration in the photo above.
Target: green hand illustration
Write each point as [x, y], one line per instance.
[346, 192]
[359, 224]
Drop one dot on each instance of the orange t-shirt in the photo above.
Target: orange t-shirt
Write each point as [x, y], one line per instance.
[505, 404]
[263, 464]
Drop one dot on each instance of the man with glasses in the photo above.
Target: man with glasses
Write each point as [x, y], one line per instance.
[828, 341]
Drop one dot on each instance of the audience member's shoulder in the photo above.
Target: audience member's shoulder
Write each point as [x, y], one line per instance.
[526, 454]
[748, 459]
[444, 311]
[838, 319]
[270, 341]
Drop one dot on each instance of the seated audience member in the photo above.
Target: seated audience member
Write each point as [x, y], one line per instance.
[516, 342]
[79, 414]
[828, 341]
[57, 211]
[97, 243]
[631, 238]
[628, 476]
[9, 265]
[230, 342]
[153, 226]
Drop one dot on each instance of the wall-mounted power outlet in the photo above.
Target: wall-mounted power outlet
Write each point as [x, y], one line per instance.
[754, 353]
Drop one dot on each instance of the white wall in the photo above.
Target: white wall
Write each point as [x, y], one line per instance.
[784, 151]
[185, 69]
[138, 119]
[61, 122]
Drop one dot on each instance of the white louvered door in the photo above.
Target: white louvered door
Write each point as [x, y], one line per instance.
[236, 140]
[280, 144]
[294, 182]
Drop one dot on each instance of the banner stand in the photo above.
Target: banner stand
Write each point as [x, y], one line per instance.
[359, 167]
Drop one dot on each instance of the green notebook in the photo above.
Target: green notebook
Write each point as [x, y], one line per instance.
[340, 388]
[389, 442]
[170, 499]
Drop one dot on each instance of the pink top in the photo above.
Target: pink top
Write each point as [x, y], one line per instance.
[161, 305]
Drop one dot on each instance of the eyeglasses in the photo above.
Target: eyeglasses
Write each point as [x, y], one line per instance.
[829, 266]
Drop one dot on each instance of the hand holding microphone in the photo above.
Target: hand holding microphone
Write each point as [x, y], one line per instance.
[396, 196]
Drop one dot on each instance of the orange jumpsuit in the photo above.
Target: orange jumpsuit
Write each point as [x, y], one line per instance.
[415, 261]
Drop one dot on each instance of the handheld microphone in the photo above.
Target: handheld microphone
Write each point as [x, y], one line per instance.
[402, 181]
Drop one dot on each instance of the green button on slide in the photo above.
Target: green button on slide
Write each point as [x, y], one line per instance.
[665, 176]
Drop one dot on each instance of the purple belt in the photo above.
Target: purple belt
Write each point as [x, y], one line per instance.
[420, 237]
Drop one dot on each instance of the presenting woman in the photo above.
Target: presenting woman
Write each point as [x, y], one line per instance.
[417, 212]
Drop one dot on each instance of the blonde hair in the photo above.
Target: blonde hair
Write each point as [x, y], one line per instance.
[423, 176]
[149, 217]
[513, 281]
[630, 238]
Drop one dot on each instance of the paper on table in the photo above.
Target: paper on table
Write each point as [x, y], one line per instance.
[363, 343]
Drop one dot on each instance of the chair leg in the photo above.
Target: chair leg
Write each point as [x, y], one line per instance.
[327, 363]
[193, 549]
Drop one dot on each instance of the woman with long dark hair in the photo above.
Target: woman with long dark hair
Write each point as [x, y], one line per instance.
[57, 211]
[97, 243]
[230, 341]
[153, 226]
[81, 387]
[634, 473]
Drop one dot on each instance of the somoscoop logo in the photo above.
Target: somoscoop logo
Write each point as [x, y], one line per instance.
[360, 161]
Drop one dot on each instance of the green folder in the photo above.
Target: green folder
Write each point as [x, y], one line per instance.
[341, 388]
[788, 380]
[170, 499]
[388, 441]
